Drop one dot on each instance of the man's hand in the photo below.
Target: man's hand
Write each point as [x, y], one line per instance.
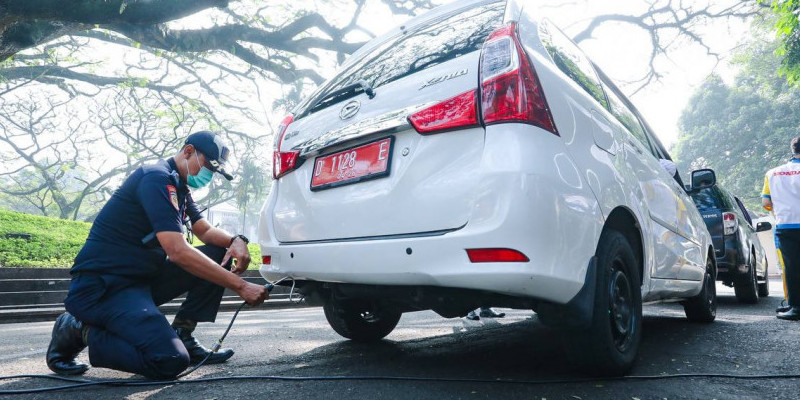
[766, 203]
[253, 294]
[241, 256]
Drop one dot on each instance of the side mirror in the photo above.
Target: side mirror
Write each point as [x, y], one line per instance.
[703, 178]
[763, 226]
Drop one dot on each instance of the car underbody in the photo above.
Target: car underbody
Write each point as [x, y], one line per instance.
[447, 302]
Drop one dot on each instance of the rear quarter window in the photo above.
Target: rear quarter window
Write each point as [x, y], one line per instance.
[625, 116]
[437, 42]
[569, 58]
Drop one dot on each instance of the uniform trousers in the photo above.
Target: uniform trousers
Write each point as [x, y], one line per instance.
[789, 240]
[127, 332]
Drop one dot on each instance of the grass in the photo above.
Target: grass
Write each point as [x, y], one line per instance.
[54, 242]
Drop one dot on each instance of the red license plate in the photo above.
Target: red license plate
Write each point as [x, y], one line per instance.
[358, 164]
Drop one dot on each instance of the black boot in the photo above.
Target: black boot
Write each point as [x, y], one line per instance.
[487, 312]
[65, 344]
[196, 350]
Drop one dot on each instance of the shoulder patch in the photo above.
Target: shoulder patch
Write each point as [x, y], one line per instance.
[173, 196]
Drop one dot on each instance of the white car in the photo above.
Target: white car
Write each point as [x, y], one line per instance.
[476, 157]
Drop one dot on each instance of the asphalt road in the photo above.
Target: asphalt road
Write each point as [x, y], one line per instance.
[744, 340]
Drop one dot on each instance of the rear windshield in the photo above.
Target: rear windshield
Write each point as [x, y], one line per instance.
[711, 198]
[435, 43]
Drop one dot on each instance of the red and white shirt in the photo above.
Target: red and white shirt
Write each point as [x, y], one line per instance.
[782, 186]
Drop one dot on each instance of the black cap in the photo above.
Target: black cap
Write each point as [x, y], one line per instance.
[796, 146]
[216, 152]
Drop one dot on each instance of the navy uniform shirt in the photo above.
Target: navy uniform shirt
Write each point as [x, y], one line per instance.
[153, 199]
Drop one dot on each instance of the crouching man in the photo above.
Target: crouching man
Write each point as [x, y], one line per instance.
[136, 258]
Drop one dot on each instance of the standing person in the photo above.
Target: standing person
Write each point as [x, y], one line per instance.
[137, 258]
[781, 195]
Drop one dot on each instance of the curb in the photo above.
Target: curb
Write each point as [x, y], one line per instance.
[36, 294]
[21, 315]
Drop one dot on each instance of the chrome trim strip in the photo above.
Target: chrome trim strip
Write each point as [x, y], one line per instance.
[391, 122]
[382, 237]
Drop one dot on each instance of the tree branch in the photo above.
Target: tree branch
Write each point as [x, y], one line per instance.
[107, 11]
[39, 73]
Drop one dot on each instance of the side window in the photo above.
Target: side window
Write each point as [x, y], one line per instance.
[627, 117]
[570, 59]
[744, 211]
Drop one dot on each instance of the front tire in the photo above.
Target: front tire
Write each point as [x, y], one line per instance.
[610, 345]
[360, 320]
[703, 307]
[746, 288]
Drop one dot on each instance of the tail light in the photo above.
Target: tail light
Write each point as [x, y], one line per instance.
[283, 162]
[458, 112]
[729, 223]
[266, 260]
[496, 255]
[510, 89]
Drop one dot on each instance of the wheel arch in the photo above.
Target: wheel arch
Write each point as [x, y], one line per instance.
[622, 220]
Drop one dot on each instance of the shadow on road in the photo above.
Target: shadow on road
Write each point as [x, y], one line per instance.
[526, 349]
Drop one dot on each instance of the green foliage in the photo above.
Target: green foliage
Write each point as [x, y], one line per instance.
[741, 130]
[54, 242]
[255, 255]
[787, 29]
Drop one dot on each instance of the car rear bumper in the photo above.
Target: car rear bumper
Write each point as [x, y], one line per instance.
[437, 260]
[434, 261]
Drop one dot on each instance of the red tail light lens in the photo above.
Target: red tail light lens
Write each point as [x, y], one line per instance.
[510, 89]
[496, 255]
[283, 162]
[729, 223]
[458, 112]
[266, 260]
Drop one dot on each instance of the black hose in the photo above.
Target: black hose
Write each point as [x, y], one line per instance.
[85, 383]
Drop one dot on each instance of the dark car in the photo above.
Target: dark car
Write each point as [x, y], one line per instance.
[741, 261]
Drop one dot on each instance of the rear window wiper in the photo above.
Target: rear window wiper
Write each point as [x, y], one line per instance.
[360, 86]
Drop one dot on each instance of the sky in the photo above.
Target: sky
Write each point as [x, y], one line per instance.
[622, 51]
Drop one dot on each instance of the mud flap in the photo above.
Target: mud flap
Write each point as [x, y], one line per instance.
[577, 313]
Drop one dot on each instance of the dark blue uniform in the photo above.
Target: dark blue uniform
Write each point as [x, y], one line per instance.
[121, 275]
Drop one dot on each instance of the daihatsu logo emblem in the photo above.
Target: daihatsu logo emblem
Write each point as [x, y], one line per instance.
[350, 109]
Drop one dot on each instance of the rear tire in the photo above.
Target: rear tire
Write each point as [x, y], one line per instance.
[703, 307]
[763, 288]
[610, 345]
[360, 320]
[746, 288]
